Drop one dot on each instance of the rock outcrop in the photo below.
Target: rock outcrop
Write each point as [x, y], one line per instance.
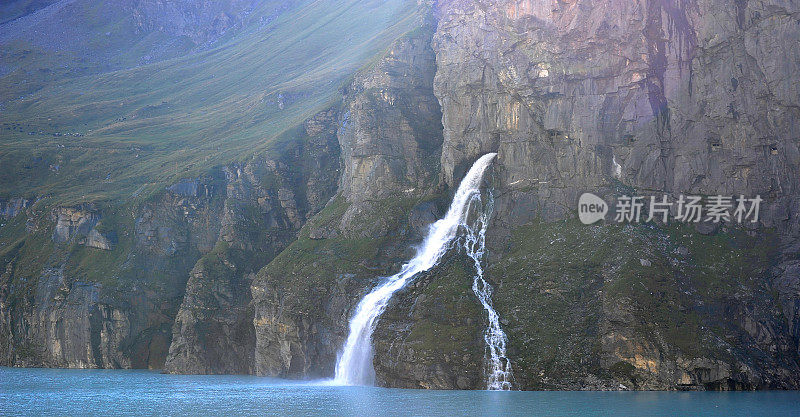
[267, 201]
[390, 132]
[11, 207]
[74, 222]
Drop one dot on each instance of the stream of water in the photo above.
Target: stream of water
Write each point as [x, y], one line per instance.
[498, 366]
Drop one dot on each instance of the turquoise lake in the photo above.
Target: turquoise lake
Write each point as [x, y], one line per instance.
[39, 392]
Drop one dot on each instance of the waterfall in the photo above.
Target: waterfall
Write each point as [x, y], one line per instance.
[354, 366]
[498, 367]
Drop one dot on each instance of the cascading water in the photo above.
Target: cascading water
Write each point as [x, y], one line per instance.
[355, 363]
[498, 367]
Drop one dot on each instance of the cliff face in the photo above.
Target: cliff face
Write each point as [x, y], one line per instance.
[69, 304]
[99, 303]
[256, 266]
[391, 131]
[390, 134]
[648, 97]
[685, 96]
[267, 201]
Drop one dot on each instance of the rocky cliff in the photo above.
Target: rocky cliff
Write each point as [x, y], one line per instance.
[267, 201]
[655, 97]
[255, 267]
[390, 135]
[166, 284]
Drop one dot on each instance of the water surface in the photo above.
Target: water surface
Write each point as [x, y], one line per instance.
[38, 392]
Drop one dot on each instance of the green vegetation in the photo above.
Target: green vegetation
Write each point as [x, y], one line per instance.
[142, 128]
[449, 312]
[563, 285]
[311, 262]
[103, 266]
[26, 253]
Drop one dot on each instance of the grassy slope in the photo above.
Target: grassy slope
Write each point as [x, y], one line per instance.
[12, 9]
[75, 38]
[148, 126]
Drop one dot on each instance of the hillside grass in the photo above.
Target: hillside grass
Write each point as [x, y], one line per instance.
[124, 135]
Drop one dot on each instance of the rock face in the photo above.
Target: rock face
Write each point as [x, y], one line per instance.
[72, 296]
[263, 210]
[74, 222]
[79, 332]
[580, 96]
[11, 207]
[113, 292]
[390, 132]
[564, 90]
[100, 241]
[256, 266]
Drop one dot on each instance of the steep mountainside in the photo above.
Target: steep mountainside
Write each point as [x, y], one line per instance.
[223, 209]
[136, 202]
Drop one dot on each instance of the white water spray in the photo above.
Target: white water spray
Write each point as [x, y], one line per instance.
[355, 364]
[498, 367]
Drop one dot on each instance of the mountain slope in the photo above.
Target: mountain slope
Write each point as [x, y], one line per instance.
[125, 192]
[146, 126]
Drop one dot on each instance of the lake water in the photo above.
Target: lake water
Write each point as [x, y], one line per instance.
[120, 392]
